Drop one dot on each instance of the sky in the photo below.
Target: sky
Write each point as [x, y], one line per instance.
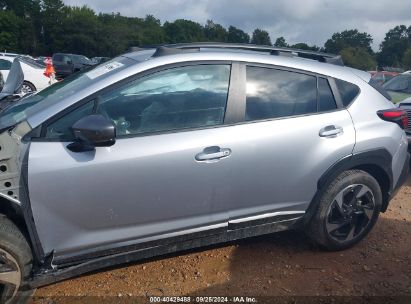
[309, 21]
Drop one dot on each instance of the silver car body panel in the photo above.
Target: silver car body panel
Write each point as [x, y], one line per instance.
[131, 189]
[373, 132]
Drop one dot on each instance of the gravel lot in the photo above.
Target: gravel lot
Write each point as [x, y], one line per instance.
[277, 265]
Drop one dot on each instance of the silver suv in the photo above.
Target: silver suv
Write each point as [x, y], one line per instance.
[178, 147]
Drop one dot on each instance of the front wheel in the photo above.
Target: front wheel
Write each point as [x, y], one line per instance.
[27, 87]
[15, 263]
[347, 211]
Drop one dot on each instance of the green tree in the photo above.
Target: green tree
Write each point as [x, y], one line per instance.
[305, 46]
[52, 15]
[396, 42]
[236, 35]
[261, 37]
[215, 32]
[183, 31]
[346, 39]
[280, 42]
[80, 31]
[10, 27]
[359, 58]
[406, 59]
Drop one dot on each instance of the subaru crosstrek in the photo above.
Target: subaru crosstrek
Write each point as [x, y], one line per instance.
[178, 147]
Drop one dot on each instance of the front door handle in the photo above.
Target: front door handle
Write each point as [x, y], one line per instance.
[213, 153]
[331, 131]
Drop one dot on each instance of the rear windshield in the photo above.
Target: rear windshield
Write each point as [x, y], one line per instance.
[35, 103]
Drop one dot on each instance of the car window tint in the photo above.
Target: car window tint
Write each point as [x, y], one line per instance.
[61, 129]
[348, 91]
[275, 93]
[57, 57]
[179, 98]
[5, 64]
[326, 101]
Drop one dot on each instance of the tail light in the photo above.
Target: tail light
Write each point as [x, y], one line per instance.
[397, 116]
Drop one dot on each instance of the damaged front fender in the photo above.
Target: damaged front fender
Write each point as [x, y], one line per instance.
[11, 151]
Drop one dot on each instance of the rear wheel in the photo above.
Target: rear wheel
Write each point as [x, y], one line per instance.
[15, 263]
[347, 211]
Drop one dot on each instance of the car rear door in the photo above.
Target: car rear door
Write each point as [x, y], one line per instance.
[293, 131]
[164, 177]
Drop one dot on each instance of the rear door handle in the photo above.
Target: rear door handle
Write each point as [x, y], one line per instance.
[212, 153]
[331, 131]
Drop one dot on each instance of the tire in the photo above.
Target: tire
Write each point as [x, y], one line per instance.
[347, 211]
[16, 261]
[27, 88]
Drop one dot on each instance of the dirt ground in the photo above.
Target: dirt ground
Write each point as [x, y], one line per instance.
[283, 264]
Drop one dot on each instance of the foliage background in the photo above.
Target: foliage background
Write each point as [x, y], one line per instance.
[43, 27]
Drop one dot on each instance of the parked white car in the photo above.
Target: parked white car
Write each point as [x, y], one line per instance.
[34, 79]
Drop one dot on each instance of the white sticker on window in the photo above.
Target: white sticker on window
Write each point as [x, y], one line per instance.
[108, 67]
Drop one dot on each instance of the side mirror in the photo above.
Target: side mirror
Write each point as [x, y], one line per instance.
[93, 131]
[69, 62]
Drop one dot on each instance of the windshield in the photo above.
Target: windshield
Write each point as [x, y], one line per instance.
[399, 88]
[37, 102]
[82, 59]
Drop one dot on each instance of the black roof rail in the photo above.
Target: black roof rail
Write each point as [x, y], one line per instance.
[289, 52]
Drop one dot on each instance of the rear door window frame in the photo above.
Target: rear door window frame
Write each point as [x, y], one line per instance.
[242, 101]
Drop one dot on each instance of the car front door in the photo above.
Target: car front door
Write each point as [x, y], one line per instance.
[163, 177]
[292, 133]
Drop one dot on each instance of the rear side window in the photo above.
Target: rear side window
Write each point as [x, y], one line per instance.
[348, 91]
[326, 100]
[275, 93]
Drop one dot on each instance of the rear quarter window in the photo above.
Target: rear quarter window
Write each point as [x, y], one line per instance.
[348, 91]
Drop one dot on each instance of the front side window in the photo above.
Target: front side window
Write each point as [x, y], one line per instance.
[179, 98]
[173, 99]
[5, 64]
[275, 93]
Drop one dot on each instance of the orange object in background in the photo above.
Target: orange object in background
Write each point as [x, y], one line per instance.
[49, 68]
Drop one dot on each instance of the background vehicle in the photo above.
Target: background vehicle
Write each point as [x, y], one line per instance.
[98, 60]
[399, 88]
[34, 80]
[66, 64]
[11, 91]
[382, 76]
[254, 142]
